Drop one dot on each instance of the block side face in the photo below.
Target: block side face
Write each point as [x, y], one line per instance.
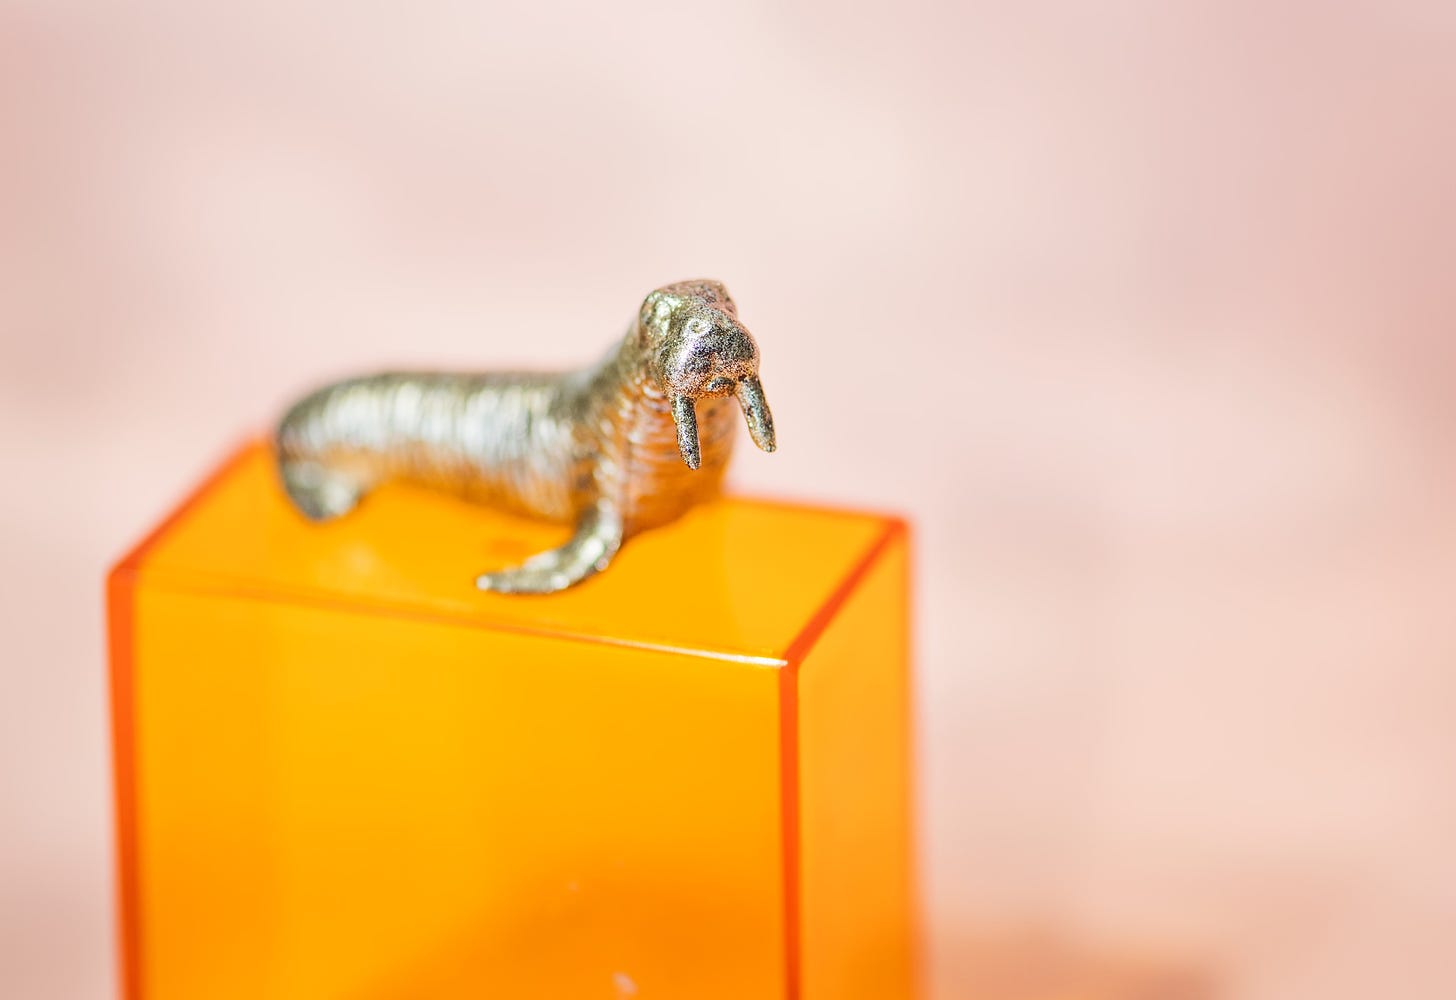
[333, 804]
[733, 577]
[856, 876]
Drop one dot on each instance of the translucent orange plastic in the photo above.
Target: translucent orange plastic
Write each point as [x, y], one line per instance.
[343, 772]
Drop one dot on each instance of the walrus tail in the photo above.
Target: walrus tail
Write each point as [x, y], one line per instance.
[320, 494]
[321, 491]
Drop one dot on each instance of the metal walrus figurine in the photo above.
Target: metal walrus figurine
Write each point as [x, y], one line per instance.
[625, 445]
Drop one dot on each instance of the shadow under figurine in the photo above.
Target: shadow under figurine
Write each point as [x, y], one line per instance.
[617, 448]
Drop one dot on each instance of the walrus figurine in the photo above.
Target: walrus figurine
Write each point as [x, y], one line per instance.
[622, 446]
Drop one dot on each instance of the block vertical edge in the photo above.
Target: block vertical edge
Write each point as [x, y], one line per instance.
[121, 610]
[896, 528]
[916, 902]
[120, 595]
[789, 824]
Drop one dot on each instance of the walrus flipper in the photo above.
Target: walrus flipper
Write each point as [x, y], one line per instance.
[598, 536]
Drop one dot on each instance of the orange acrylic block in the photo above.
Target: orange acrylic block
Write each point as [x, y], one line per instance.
[342, 772]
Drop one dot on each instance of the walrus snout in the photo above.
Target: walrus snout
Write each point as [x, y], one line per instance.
[700, 350]
[710, 360]
[755, 411]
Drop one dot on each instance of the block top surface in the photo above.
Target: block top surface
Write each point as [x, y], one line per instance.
[736, 578]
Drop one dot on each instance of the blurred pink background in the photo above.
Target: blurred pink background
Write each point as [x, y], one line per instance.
[1143, 311]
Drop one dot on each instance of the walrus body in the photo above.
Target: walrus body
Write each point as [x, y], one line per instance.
[625, 445]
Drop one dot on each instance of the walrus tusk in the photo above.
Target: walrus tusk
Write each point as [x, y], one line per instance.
[755, 410]
[686, 418]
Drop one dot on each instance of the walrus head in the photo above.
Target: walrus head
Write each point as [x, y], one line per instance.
[697, 348]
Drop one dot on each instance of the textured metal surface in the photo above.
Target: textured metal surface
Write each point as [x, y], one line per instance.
[624, 445]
